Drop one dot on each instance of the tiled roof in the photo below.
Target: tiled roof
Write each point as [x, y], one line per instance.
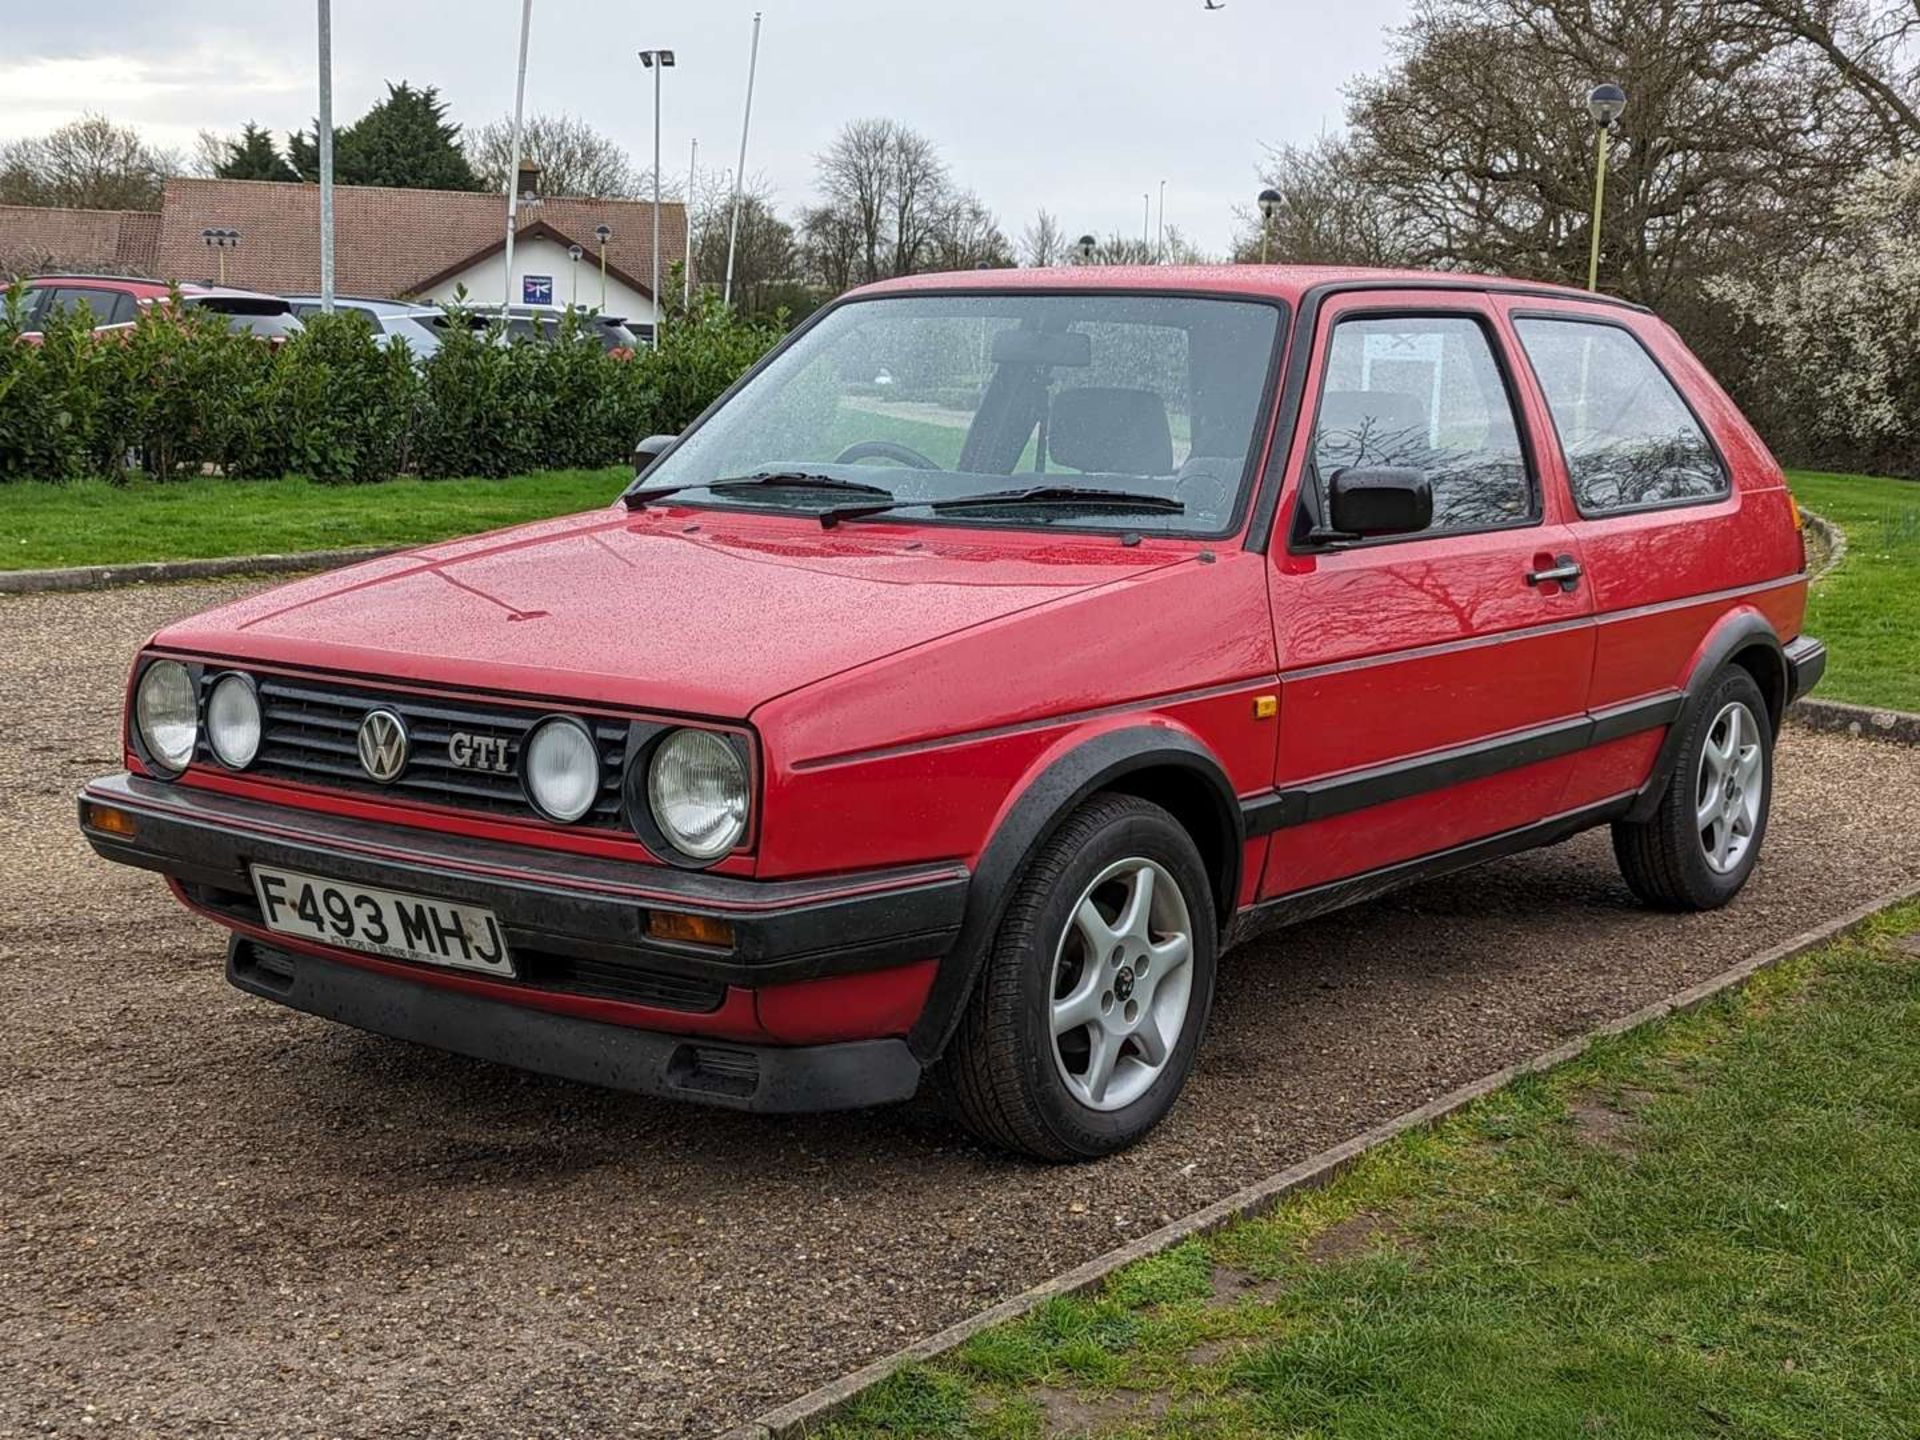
[34, 237]
[386, 242]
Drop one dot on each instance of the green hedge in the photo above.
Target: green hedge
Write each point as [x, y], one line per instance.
[179, 393]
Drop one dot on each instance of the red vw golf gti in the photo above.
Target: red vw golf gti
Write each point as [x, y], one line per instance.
[998, 652]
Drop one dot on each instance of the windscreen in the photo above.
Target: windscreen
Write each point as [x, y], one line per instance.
[930, 400]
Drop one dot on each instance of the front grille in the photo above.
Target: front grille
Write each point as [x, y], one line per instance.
[310, 730]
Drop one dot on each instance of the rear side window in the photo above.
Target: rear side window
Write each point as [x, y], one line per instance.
[68, 300]
[1425, 393]
[1629, 439]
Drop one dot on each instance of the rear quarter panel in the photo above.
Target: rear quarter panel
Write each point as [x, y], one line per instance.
[1664, 579]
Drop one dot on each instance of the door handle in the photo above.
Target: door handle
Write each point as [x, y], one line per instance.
[1564, 572]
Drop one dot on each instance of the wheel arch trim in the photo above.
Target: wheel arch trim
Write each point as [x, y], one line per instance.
[1058, 785]
[1742, 630]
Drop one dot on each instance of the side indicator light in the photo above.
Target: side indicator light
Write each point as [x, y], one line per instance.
[112, 821]
[690, 929]
[1265, 707]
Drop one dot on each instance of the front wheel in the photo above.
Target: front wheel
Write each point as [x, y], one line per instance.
[1096, 992]
[1700, 846]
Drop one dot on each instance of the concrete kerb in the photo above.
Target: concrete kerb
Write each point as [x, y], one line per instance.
[1861, 721]
[154, 572]
[798, 1417]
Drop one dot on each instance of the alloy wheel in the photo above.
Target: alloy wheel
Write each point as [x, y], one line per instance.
[1730, 788]
[1122, 981]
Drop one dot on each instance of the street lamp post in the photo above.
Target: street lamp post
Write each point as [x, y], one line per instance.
[574, 252]
[1605, 105]
[220, 241]
[603, 233]
[1270, 203]
[656, 61]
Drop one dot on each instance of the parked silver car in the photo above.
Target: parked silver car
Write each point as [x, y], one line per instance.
[392, 320]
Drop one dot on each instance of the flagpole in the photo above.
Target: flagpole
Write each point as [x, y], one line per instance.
[513, 165]
[740, 175]
[325, 140]
[686, 217]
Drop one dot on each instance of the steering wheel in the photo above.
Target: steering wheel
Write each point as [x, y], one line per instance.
[885, 450]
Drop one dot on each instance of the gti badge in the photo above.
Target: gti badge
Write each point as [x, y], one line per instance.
[478, 752]
[382, 744]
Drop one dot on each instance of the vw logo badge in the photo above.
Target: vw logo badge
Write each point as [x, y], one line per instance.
[382, 744]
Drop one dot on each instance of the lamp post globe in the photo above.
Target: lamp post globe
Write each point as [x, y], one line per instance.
[1606, 104]
[1085, 248]
[1270, 202]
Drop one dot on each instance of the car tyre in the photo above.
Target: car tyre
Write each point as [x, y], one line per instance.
[1067, 1053]
[1699, 847]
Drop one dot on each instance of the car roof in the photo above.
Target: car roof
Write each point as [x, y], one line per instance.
[1277, 282]
[133, 284]
[369, 302]
[226, 292]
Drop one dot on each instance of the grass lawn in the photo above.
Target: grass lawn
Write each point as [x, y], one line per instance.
[1868, 611]
[1710, 1228]
[98, 524]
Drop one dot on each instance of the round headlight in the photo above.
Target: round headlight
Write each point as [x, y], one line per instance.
[562, 768]
[697, 791]
[233, 721]
[166, 715]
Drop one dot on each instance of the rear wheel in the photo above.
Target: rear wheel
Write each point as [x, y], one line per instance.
[1700, 846]
[1096, 992]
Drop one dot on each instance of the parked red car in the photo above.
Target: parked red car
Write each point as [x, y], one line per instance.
[994, 655]
[115, 302]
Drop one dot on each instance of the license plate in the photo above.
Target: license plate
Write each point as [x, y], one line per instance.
[381, 922]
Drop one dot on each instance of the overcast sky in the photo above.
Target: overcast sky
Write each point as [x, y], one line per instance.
[1081, 106]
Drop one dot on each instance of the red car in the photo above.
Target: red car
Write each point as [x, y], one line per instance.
[115, 301]
[994, 655]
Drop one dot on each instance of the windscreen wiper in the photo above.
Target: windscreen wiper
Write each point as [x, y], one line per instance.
[1065, 497]
[769, 479]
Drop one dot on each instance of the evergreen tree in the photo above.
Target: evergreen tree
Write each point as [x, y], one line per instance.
[404, 141]
[252, 157]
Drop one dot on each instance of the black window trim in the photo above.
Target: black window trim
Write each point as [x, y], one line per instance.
[1686, 502]
[1306, 499]
[1252, 471]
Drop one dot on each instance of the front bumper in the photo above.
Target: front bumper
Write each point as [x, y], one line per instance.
[842, 959]
[767, 1078]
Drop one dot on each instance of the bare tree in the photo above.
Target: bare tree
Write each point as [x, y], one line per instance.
[1873, 45]
[1330, 212]
[1732, 148]
[1043, 243]
[831, 245]
[210, 150]
[967, 236]
[1175, 249]
[886, 185]
[87, 164]
[764, 251]
[574, 158]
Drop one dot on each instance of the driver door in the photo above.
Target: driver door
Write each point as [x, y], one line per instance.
[1432, 693]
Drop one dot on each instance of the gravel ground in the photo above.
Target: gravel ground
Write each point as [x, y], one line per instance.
[219, 1217]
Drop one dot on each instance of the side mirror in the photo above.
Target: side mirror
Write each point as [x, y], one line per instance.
[649, 450]
[1386, 500]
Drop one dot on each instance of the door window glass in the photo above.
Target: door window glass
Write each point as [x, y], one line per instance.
[1629, 439]
[1426, 394]
[68, 299]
